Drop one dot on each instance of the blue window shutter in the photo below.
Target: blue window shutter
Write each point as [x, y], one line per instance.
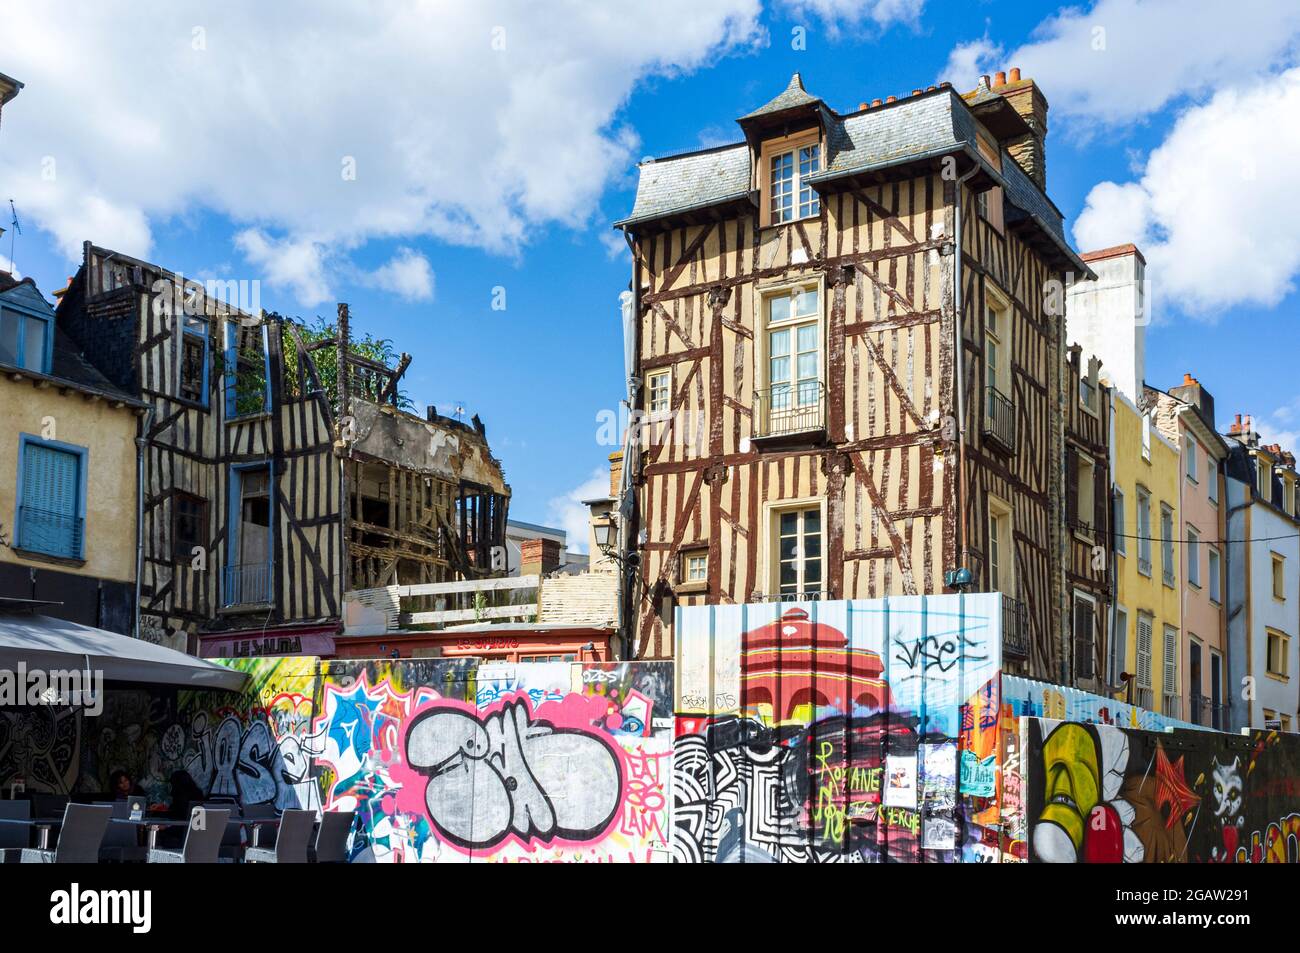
[232, 368]
[51, 487]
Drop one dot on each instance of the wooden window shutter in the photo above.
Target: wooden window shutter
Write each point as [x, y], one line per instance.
[1083, 639]
[1100, 503]
[1144, 652]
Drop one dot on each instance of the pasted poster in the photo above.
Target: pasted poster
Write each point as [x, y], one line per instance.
[900, 781]
[939, 796]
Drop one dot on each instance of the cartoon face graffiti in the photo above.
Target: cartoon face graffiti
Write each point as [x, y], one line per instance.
[1227, 790]
[505, 773]
[1084, 818]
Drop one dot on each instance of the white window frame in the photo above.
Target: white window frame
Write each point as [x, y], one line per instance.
[1143, 659]
[1121, 528]
[794, 148]
[1144, 531]
[1190, 459]
[1168, 547]
[999, 511]
[803, 396]
[651, 379]
[1081, 596]
[1193, 556]
[772, 550]
[1215, 570]
[1117, 650]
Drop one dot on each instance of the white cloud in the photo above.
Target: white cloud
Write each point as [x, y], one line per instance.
[839, 14]
[7, 265]
[1215, 208]
[615, 245]
[294, 263]
[1280, 427]
[471, 123]
[1121, 60]
[567, 512]
[407, 275]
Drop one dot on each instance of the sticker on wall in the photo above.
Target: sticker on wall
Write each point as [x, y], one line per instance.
[939, 833]
[900, 781]
[978, 775]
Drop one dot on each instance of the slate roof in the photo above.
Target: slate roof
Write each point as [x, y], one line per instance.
[68, 365]
[793, 96]
[693, 180]
[916, 127]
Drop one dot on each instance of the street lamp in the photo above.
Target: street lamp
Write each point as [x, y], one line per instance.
[601, 531]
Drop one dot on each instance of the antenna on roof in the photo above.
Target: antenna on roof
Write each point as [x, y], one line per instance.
[13, 212]
[459, 412]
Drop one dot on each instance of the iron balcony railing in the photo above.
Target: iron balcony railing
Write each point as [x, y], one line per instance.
[49, 532]
[1203, 711]
[1000, 418]
[1172, 707]
[1144, 698]
[789, 409]
[805, 595]
[1144, 564]
[1015, 628]
[247, 585]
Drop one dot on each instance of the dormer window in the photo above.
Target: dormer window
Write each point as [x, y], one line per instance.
[788, 163]
[792, 197]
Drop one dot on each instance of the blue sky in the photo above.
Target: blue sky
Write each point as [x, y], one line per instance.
[493, 144]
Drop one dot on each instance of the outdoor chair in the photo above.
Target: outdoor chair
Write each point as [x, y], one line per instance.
[290, 843]
[202, 842]
[49, 806]
[332, 838]
[14, 837]
[79, 838]
[232, 844]
[122, 841]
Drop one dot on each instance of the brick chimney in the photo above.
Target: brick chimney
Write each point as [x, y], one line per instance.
[1201, 400]
[1030, 150]
[615, 472]
[538, 557]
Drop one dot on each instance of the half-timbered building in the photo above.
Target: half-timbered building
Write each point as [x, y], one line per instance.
[849, 362]
[267, 489]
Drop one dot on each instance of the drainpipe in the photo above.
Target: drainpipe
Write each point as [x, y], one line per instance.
[1229, 655]
[959, 373]
[631, 463]
[140, 443]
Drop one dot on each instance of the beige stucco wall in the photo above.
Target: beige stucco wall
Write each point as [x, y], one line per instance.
[108, 434]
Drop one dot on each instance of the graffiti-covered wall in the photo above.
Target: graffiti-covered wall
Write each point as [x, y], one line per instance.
[452, 760]
[1103, 794]
[442, 759]
[830, 731]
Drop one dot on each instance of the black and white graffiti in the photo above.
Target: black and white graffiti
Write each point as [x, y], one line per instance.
[505, 773]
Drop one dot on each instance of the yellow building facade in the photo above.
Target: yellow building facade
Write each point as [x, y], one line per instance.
[1147, 637]
[68, 467]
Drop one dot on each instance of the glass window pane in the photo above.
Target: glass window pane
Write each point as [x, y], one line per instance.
[812, 546]
[34, 345]
[808, 367]
[8, 337]
[812, 576]
[807, 340]
[788, 575]
[805, 302]
[778, 308]
[779, 370]
[812, 521]
[789, 524]
[779, 343]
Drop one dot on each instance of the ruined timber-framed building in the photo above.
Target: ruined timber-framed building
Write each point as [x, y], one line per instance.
[268, 490]
[794, 303]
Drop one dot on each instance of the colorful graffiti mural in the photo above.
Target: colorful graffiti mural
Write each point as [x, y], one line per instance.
[1029, 698]
[450, 760]
[1104, 794]
[830, 731]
